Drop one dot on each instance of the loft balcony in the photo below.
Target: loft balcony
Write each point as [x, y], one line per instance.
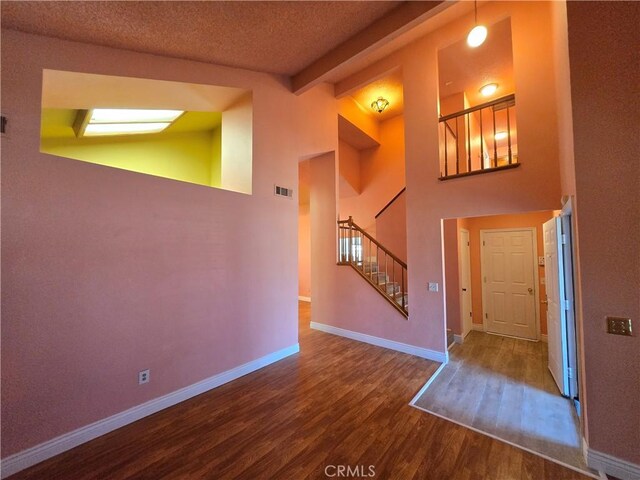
[480, 139]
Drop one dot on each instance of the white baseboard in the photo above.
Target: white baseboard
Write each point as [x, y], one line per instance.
[27, 458]
[477, 326]
[383, 342]
[610, 465]
[304, 299]
[544, 338]
[458, 338]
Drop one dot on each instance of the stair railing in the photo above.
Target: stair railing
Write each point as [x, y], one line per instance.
[374, 262]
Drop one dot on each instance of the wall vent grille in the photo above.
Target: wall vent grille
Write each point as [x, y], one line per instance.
[283, 191]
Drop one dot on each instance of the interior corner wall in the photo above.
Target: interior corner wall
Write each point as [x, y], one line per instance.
[304, 251]
[451, 273]
[382, 176]
[216, 158]
[185, 156]
[607, 173]
[237, 146]
[110, 271]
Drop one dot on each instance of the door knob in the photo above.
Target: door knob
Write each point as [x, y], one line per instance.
[530, 290]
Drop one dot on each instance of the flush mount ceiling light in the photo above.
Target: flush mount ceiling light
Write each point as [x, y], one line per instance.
[122, 121]
[501, 135]
[380, 104]
[489, 89]
[478, 34]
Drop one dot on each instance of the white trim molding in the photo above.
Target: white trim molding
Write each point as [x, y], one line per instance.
[478, 327]
[27, 458]
[442, 357]
[610, 465]
[304, 299]
[459, 339]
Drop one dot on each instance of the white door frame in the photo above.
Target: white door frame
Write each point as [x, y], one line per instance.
[462, 313]
[568, 230]
[536, 281]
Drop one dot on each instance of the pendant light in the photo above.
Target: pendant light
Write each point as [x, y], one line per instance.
[478, 34]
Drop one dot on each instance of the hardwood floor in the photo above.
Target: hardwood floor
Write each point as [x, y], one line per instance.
[338, 402]
[502, 386]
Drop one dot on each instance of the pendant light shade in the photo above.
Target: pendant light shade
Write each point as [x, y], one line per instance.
[478, 34]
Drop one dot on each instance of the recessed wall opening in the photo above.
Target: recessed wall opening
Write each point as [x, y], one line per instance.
[477, 105]
[192, 133]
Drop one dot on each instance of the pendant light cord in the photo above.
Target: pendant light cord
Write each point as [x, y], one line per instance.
[475, 9]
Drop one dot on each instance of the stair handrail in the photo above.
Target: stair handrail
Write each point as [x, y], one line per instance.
[348, 256]
[390, 202]
[354, 226]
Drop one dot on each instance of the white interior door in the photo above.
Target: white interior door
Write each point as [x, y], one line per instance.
[508, 270]
[465, 281]
[556, 302]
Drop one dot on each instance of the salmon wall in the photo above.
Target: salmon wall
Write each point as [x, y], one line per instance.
[607, 172]
[304, 251]
[107, 272]
[391, 227]
[382, 176]
[533, 186]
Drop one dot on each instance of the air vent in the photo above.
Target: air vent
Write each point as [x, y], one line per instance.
[283, 191]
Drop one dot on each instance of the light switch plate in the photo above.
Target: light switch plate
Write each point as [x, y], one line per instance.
[433, 287]
[619, 326]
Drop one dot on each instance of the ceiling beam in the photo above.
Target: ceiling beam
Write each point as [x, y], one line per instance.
[399, 20]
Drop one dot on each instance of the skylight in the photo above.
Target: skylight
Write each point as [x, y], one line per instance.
[123, 121]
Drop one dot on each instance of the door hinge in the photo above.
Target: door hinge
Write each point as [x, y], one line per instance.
[483, 244]
[467, 244]
[486, 315]
[570, 372]
[563, 238]
[485, 279]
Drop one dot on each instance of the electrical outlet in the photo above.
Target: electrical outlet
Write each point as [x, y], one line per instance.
[619, 326]
[144, 376]
[433, 287]
[541, 261]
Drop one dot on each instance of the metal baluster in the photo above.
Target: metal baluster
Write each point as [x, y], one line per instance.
[495, 142]
[468, 142]
[457, 149]
[509, 135]
[402, 293]
[481, 143]
[446, 158]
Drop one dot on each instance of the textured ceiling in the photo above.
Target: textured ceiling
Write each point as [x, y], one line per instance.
[278, 37]
[389, 88]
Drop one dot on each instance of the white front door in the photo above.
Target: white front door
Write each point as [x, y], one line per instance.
[465, 282]
[556, 318]
[508, 270]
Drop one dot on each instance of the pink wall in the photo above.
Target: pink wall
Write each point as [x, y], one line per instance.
[107, 272]
[533, 186]
[349, 170]
[381, 176]
[607, 173]
[391, 227]
[450, 237]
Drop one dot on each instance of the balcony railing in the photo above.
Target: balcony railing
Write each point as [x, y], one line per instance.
[479, 139]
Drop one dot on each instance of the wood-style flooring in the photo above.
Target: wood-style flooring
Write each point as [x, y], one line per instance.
[502, 386]
[337, 402]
